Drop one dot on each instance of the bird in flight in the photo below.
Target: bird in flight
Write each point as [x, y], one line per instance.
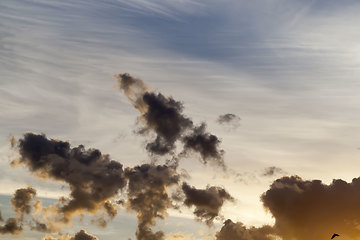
[335, 235]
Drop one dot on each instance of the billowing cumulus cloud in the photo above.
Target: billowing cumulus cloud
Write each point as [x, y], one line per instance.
[207, 202]
[312, 210]
[93, 178]
[231, 120]
[164, 116]
[237, 231]
[148, 196]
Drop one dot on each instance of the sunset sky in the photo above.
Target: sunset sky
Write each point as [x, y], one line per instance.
[275, 82]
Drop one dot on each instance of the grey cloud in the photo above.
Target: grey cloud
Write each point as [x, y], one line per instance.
[164, 116]
[94, 182]
[83, 235]
[207, 202]
[20, 202]
[232, 231]
[148, 196]
[93, 177]
[229, 119]
[272, 171]
[160, 114]
[206, 144]
[258, 176]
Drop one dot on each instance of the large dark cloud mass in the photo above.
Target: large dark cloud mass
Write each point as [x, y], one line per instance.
[302, 209]
[312, 210]
[93, 178]
[95, 181]
[164, 117]
[207, 202]
[237, 231]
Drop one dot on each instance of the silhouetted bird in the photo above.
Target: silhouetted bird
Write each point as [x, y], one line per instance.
[335, 235]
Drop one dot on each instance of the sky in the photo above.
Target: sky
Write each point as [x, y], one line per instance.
[231, 119]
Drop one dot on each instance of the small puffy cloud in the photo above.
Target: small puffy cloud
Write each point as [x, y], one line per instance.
[230, 120]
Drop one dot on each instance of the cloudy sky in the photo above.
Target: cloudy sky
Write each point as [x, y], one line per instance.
[275, 81]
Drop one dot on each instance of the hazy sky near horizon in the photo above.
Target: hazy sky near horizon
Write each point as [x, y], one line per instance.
[289, 69]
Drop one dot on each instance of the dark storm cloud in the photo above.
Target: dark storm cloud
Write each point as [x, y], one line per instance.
[312, 210]
[93, 178]
[229, 119]
[164, 116]
[148, 196]
[232, 231]
[207, 202]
